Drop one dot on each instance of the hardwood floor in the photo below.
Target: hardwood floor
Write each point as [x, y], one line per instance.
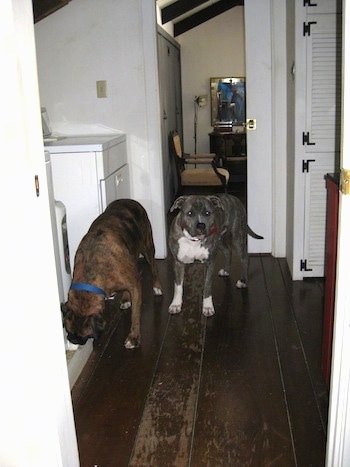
[242, 388]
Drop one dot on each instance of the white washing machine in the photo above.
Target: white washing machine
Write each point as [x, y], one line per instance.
[63, 247]
[79, 357]
[88, 172]
[60, 236]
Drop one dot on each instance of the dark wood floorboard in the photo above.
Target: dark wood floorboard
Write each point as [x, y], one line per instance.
[306, 299]
[294, 369]
[242, 419]
[242, 388]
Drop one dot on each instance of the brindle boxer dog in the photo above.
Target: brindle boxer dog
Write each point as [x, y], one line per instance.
[105, 263]
[204, 225]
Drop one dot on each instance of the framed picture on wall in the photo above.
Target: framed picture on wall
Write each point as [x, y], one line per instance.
[227, 101]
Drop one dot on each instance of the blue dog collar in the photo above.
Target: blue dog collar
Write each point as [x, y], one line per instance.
[87, 288]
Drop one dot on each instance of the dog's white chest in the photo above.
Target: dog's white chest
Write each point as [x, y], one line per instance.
[191, 251]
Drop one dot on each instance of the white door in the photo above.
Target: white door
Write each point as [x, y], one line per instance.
[338, 440]
[317, 131]
[259, 106]
[37, 425]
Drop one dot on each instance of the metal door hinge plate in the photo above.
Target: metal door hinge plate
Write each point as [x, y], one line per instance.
[303, 265]
[251, 124]
[345, 181]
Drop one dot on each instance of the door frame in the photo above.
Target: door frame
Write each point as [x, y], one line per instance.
[338, 440]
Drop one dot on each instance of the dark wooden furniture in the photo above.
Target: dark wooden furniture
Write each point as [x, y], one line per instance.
[332, 183]
[231, 147]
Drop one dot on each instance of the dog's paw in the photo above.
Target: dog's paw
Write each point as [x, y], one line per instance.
[208, 312]
[125, 305]
[223, 273]
[241, 285]
[208, 307]
[131, 342]
[157, 291]
[174, 308]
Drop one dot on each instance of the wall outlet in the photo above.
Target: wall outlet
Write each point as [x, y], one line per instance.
[101, 88]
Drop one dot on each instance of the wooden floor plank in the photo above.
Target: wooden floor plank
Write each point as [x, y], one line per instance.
[307, 304]
[303, 411]
[165, 432]
[241, 416]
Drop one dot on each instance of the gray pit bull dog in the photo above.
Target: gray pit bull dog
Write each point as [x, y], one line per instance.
[204, 225]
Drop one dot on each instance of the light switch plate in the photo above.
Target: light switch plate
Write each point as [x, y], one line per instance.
[101, 88]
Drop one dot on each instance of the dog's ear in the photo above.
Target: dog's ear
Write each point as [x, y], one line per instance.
[216, 201]
[68, 317]
[178, 203]
[98, 324]
[65, 310]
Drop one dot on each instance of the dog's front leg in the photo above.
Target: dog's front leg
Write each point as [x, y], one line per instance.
[208, 307]
[226, 248]
[179, 272]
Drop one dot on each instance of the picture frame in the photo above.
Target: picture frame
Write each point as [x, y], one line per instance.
[228, 105]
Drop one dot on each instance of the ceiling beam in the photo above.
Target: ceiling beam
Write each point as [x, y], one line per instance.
[179, 8]
[205, 15]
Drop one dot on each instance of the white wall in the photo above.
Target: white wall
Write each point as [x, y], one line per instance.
[213, 49]
[87, 41]
[280, 77]
[290, 12]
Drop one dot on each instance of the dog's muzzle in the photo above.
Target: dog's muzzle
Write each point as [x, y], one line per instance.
[78, 340]
[201, 227]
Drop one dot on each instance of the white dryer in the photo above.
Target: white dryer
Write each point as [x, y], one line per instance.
[88, 172]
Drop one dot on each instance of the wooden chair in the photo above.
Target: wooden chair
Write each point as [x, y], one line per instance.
[197, 172]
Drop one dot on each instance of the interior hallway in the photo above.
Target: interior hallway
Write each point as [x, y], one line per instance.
[241, 388]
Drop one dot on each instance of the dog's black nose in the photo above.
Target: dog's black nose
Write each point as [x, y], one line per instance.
[75, 339]
[201, 226]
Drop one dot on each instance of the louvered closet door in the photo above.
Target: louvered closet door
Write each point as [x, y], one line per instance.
[321, 137]
[323, 96]
[315, 218]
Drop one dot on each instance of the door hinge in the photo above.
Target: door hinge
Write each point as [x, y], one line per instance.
[308, 3]
[303, 265]
[306, 139]
[307, 28]
[305, 165]
[345, 181]
[37, 186]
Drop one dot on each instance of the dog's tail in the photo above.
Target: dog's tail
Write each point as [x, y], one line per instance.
[253, 234]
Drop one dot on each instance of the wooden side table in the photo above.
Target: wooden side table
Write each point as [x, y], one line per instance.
[231, 146]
